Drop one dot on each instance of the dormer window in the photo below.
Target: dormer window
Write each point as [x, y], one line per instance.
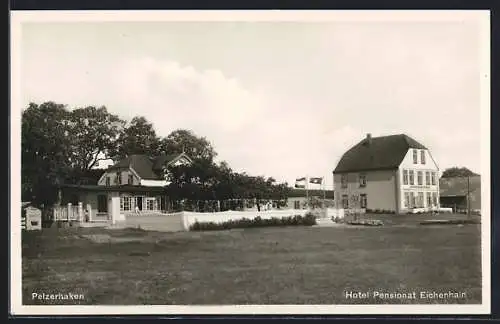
[118, 178]
[422, 156]
[130, 179]
[415, 156]
[108, 181]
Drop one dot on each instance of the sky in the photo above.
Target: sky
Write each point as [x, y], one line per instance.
[280, 99]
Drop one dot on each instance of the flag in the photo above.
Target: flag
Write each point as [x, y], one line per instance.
[300, 182]
[316, 180]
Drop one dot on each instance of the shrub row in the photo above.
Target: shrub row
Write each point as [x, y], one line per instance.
[307, 220]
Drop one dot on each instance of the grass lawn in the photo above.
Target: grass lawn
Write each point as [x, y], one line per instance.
[280, 265]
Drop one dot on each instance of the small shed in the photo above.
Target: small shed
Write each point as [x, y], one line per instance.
[31, 217]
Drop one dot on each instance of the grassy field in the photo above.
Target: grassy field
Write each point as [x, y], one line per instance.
[286, 265]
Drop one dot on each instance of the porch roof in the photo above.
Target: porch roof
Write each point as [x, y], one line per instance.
[122, 188]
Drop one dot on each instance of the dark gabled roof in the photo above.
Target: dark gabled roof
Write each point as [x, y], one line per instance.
[377, 153]
[457, 186]
[163, 159]
[122, 188]
[142, 164]
[299, 193]
[146, 167]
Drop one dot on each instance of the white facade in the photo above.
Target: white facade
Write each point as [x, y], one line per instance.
[418, 177]
[142, 201]
[411, 185]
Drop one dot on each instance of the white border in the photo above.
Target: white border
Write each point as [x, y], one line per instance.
[19, 17]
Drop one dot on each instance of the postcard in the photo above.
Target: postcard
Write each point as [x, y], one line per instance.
[250, 162]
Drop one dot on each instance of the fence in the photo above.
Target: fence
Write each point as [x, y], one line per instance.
[68, 213]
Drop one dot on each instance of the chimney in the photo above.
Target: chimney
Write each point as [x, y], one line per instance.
[368, 138]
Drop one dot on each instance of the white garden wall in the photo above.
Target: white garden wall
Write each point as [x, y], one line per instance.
[183, 220]
[190, 217]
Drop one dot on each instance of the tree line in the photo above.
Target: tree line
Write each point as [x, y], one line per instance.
[62, 145]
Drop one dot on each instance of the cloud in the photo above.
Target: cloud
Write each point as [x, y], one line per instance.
[285, 114]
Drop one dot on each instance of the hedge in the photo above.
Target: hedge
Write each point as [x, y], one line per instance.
[297, 220]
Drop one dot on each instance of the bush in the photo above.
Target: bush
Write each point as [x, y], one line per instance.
[306, 220]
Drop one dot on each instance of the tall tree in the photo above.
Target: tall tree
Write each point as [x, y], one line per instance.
[458, 172]
[182, 140]
[94, 134]
[45, 151]
[138, 137]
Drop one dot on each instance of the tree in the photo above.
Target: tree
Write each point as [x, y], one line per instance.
[45, 151]
[182, 140]
[94, 132]
[138, 137]
[458, 172]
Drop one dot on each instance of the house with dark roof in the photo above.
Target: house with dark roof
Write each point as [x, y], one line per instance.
[137, 182]
[461, 193]
[388, 173]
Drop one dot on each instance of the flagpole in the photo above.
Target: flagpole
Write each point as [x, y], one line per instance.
[324, 190]
[307, 191]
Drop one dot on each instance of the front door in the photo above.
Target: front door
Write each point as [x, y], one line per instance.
[139, 203]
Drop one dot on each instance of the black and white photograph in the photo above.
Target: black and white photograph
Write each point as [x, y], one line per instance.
[250, 162]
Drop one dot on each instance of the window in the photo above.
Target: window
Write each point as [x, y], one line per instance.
[130, 179]
[412, 177]
[345, 201]
[419, 178]
[362, 180]
[363, 200]
[420, 199]
[407, 200]
[126, 203]
[102, 204]
[150, 204]
[119, 178]
[296, 204]
[412, 200]
[434, 199]
[433, 178]
[415, 156]
[344, 181]
[108, 181]
[422, 157]
[405, 177]
[429, 199]
[428, 178]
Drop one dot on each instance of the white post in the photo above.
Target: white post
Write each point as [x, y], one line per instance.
[80, 212]
[89, 211]
[69, 210]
